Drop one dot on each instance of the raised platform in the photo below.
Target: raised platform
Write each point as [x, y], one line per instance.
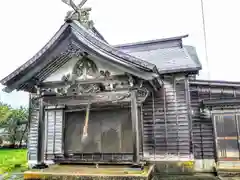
[228, 168]
[90, 172]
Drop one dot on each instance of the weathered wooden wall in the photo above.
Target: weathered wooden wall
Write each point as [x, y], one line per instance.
[204, 147]
[165, 118]
[53, 131]
[166, 122]
[203, 140]
[32, 135]
[203, 128]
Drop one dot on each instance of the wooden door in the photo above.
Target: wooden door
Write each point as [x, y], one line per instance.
[109, 131]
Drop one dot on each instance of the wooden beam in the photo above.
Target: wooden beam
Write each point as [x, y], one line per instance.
[41, 137]
[135, 128]
[220, 102]
[55, 84]
[121, 96]
[189, 107]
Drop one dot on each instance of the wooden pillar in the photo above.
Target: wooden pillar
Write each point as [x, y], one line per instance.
[135, 128]
[41, 137]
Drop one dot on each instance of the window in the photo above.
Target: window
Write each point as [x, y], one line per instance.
[227, 135]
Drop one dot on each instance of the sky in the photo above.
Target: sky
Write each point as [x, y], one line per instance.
[27, 25]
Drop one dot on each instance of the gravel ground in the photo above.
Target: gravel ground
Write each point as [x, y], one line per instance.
[19, 176]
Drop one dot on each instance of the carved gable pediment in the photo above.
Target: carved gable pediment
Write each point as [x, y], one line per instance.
[83, 75]
[83, 69]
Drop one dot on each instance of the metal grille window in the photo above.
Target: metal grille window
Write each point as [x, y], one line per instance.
[227, 135]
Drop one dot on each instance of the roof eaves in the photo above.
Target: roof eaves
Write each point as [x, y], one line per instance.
[36, 56]
[180, 70]
[191, 52]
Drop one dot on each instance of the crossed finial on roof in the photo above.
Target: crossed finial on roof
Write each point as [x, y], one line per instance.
[80, 14]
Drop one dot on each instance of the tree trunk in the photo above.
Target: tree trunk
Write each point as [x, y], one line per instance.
[14, 137]
[21, 139]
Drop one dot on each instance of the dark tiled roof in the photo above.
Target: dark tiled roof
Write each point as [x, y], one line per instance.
[169, 60]
[169, 55]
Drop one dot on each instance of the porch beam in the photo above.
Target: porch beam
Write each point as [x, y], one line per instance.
[99, 80]
[41, 137]
[215, 102]
[135, 128]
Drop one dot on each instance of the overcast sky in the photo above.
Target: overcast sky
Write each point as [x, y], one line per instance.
[27, 25]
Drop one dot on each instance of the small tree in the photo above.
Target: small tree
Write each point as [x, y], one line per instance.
[5, 112]
[16, 125]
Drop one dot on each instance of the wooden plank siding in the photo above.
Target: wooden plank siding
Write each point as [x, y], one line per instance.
[166, 123]
[203, 129]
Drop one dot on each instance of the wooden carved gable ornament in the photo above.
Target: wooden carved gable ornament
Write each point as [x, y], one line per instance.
[79, 81]
[79, 13]
[86, 79]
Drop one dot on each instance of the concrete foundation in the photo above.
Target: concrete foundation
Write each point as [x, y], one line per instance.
[77, 172]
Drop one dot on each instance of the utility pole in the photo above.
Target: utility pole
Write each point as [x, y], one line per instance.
[205, 37]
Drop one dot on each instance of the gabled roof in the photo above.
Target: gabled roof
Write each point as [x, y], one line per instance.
[144, 59]
[168, 54]
[70, 38]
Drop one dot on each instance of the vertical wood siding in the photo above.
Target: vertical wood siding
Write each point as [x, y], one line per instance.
[148, 128]
[58, 131]
[53, 133]
[203, 139]
[33, 135]
[50, 127]
[54, 125]
[166, 122]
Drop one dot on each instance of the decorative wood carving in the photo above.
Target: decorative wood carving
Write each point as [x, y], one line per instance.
[80, 14]
[87, 82]
[85, 69]
[142, 94]
[100, 97]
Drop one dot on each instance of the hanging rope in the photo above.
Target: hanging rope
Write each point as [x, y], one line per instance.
[205, 38]
[85, 127]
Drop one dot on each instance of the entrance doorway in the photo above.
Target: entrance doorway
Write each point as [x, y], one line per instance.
[227, 135]
[109, 131]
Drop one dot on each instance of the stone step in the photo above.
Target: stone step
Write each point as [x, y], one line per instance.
[89, 172]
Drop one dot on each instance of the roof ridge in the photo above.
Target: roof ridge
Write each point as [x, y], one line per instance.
[153, 41]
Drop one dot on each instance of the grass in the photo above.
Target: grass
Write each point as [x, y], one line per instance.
[13, 160]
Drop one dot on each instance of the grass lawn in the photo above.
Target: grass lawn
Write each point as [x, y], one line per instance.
[13, 160]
